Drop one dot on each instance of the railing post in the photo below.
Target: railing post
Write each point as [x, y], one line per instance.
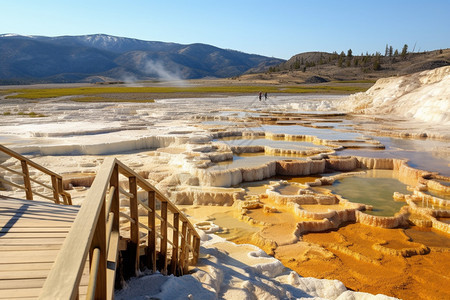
[183, 247]
[175, 239]
[55, 189]
[99, 241]
[26, 180]
[66, 200]
[151, 236]
[164, 235]
[188, 241]
[134, 230]
[115, 206]
[196, 251]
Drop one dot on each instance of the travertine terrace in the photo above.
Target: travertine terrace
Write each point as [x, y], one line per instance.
[206, 152]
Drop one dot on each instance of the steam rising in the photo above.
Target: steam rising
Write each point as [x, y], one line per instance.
[157, 68]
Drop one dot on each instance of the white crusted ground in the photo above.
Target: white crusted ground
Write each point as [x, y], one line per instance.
[230, 271]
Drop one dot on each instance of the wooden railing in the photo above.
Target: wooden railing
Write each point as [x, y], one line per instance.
[30, 184]
[98, 229]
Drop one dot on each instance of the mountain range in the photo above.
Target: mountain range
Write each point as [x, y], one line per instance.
[100, 57]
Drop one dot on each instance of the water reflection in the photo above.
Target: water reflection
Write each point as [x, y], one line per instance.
[422, 154]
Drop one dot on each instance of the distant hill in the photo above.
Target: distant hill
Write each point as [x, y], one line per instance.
[99, 57]
[317, 67]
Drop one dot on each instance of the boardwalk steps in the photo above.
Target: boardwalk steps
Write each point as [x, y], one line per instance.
[54, 251]
[32, 232]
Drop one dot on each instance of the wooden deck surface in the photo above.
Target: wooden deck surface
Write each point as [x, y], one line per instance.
[32, 232]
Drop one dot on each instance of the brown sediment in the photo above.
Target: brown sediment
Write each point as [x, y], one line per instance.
[370, 253]
[397, 262]
[371, 259]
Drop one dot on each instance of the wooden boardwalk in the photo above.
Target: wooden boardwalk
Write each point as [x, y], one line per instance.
[53, 251]
[31, 235]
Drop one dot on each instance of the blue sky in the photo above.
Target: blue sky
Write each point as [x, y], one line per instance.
[280, 28]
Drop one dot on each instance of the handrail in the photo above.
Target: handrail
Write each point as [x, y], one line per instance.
[94, 230]
[56, 187]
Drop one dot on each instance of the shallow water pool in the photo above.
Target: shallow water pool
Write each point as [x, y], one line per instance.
[281, 144]
[375, 187]
[249, 160]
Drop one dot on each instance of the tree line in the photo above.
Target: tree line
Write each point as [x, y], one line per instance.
[367, 62]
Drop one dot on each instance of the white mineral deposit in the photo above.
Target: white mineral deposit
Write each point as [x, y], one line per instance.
[202, 152]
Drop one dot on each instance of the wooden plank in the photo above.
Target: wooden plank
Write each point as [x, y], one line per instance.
[26, 179]
[32, 235]
[183, 247]
[33, 220]
[15, 229]
[24, 274]
[175, 239]
[24, 293]
[44, 211]
[55, 189]
[164, 236]
[26, 283]
[20, 293]
[38, 204]
[13, 203]
[9, 257]
[22, 283]
[26, 223]
[151, 242]
[29, 248]
[26, 266]
[17, 242]
[38, 210]
[134, 228]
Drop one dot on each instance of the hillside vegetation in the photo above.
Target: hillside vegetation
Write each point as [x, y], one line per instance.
[319, 67]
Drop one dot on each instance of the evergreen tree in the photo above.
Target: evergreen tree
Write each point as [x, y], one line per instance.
[340, 61]
[396, 52]
[391, 50]
[376, 62]
[350, 53]
[335, 55]
[404, 51]
[386, 52]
